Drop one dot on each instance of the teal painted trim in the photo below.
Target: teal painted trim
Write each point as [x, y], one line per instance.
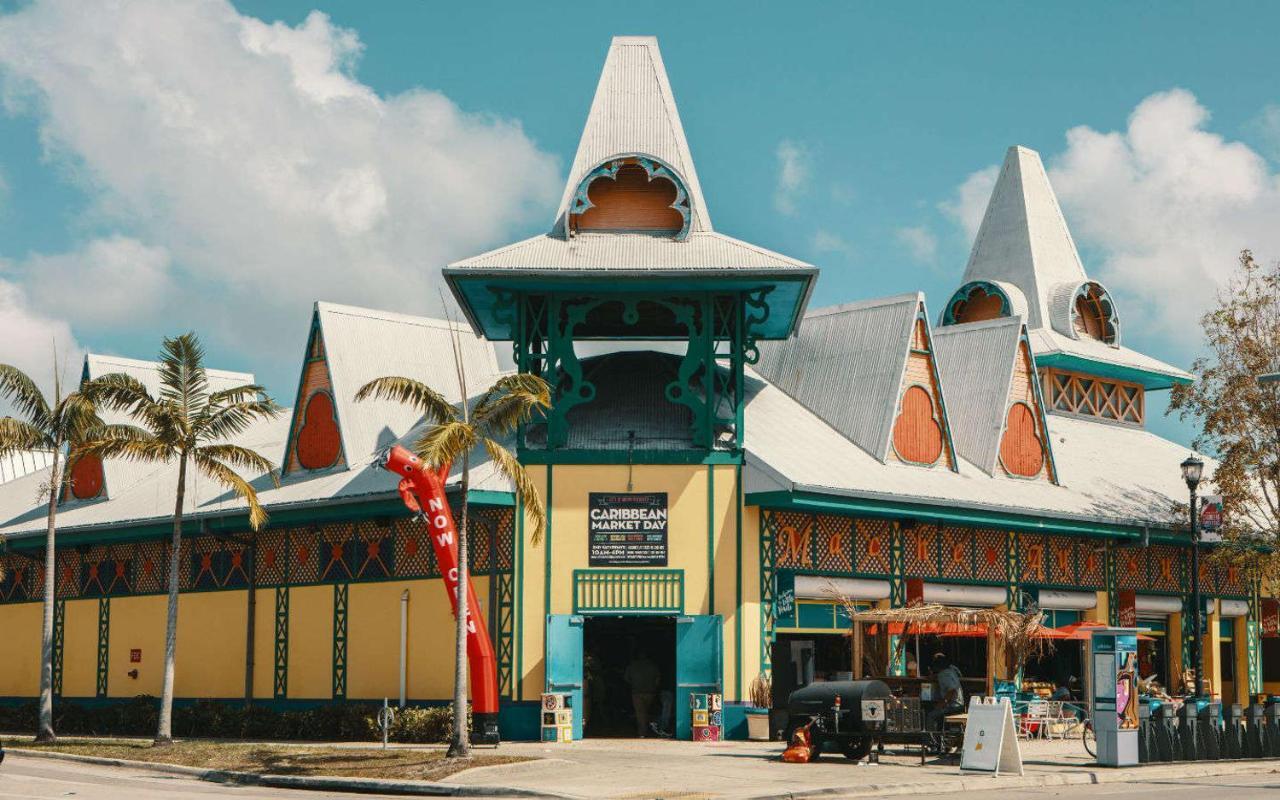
[628, 591]
[104, 644]
[518, 577]
[664, 457]
[922, 317]
[59, 637]
[948, 311]
[1151, 381]
[711, 539]
[737, 583]
[491, 498]
[280, 663]
[834, 504]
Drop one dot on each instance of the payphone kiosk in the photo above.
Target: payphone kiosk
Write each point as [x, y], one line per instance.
[1113, 673]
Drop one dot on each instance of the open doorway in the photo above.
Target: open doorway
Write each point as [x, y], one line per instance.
[621, 654]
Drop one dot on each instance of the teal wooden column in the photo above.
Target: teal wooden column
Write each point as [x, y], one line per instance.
[104, 643]
[59, 637]
[897, 593]
[340, 594]
[280, 661]
[1113, 593]
[768, 608]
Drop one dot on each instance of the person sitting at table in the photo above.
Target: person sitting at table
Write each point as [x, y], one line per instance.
[1061, 691]
[950, 693]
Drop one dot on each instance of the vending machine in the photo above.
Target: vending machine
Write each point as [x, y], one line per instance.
[1113, 673]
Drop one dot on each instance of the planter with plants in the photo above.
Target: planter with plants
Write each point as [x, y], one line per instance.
[761, 694]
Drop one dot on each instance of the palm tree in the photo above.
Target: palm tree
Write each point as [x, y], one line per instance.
[191, 425]
[456, 432]
[50, 427]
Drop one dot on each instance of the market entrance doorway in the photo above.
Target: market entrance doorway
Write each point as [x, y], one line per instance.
[629, 675]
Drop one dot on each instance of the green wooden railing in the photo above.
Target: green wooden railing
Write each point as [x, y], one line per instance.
[628, 591]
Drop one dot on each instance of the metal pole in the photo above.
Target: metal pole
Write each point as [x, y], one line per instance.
[1197, 655]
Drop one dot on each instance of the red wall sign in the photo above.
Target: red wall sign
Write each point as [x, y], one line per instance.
[1127, 608]
[1270, 618]
[135, 656]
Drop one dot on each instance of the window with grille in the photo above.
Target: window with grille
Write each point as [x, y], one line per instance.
[1073, 393]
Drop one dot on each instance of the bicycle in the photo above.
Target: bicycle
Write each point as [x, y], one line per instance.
[1088, 737]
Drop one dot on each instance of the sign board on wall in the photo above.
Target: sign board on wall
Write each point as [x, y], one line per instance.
[135, 656]
[1270, 621]
[627, 530]
[1127, 608]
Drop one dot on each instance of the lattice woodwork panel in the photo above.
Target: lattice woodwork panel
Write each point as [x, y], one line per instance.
[1093, 397]
[414, 555]
[338, 553]
[833, 549]
[273, 557]
[479, 528]
[506, 538]
[1033, 558]
[920, 551]
[304, 555]
[1131, 568]
[373, 550]
[151, 566]
[1091, 563]
[1060, 560]
[21, 579]
[957, 553]
[792, 533]
[216, 563]
[873, 546]
[1231, 580]
[1164, 570]
[68, 561]
[1208, 576]
[989, 559]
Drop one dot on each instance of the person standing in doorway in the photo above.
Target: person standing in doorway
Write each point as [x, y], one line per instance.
[950, 695]
[643, 676]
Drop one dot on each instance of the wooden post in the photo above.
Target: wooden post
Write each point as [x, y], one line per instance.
[856, 633]
[991, 660]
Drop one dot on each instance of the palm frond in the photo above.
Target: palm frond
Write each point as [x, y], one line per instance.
[227, 421]
[215, 470]
[446, 443]
[119, 392]
[507, 411]
[521, 383]
[242, 458]
[413, 393]
[525, 488]
[183, 379]
[17, 435]
[75, 416]
[17, 387]
[127, 442]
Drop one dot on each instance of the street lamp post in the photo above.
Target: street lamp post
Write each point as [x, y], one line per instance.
[1192, 469]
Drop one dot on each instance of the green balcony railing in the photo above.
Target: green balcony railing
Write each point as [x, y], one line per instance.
[628, 591]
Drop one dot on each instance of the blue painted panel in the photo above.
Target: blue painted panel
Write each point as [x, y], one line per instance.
[564, 662]
[520, 722]
[699, 664]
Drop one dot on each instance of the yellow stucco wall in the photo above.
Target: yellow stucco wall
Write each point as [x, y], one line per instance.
[373, 631]
[264, 644]
[311, 642]
[1212, 653]
[20, 624]
[211, 642]
[750, 596]
[80, 648]
[137, 623]
[1240, 644]
[530, 596]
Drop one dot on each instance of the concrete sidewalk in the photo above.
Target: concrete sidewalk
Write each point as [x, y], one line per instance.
[654, 768]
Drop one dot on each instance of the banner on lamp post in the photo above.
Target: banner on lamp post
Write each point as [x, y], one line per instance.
[1211, 518]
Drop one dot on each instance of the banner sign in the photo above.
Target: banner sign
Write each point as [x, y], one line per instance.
[1127, 608]
[784, 598]
[627, 530]
[1270, 622]
[1211, 518]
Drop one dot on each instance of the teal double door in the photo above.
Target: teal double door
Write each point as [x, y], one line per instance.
[699, 662]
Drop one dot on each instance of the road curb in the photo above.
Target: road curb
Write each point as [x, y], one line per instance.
[971, 782]
[361, 785]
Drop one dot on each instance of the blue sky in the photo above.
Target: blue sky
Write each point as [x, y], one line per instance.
[222, 167]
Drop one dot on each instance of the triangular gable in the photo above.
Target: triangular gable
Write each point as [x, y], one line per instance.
[634, 113]
[921, 433]
[975, 360]
[315, 439]
[1024, 238]
[1026, 449]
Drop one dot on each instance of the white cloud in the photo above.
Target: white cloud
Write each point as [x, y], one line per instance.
[111, 281]
[920, 243]
[32, 339]
[1267, 126]
[969, 203]
[1167, 205]
[793, 175]
[825, 241]
[252, 171]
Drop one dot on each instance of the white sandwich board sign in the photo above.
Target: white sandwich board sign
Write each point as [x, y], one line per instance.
[990, 741]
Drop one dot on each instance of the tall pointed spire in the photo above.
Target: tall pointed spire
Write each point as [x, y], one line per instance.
[1024, 238]
[634, 113]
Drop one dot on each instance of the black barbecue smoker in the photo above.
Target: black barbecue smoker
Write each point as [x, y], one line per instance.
[846, 716]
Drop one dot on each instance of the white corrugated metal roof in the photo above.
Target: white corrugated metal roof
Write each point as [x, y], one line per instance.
[24, 462]
[975, 362]
[1024, 238]
[631, 252]
[1109, 473]
[846, 364]
[634, 112]
[1046, 342]
[362, 344]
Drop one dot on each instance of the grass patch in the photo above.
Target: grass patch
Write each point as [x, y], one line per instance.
[341, 762]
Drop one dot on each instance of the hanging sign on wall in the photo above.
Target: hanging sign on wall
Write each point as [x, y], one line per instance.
[627, 530]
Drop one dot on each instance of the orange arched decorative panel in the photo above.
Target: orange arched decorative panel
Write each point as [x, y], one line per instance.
[86, 478]
[917, 436]
[318, 444]
[631, 201]
[1021, 450]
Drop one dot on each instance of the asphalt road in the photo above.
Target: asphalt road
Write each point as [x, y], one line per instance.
[32, 778]
[1226, 787]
